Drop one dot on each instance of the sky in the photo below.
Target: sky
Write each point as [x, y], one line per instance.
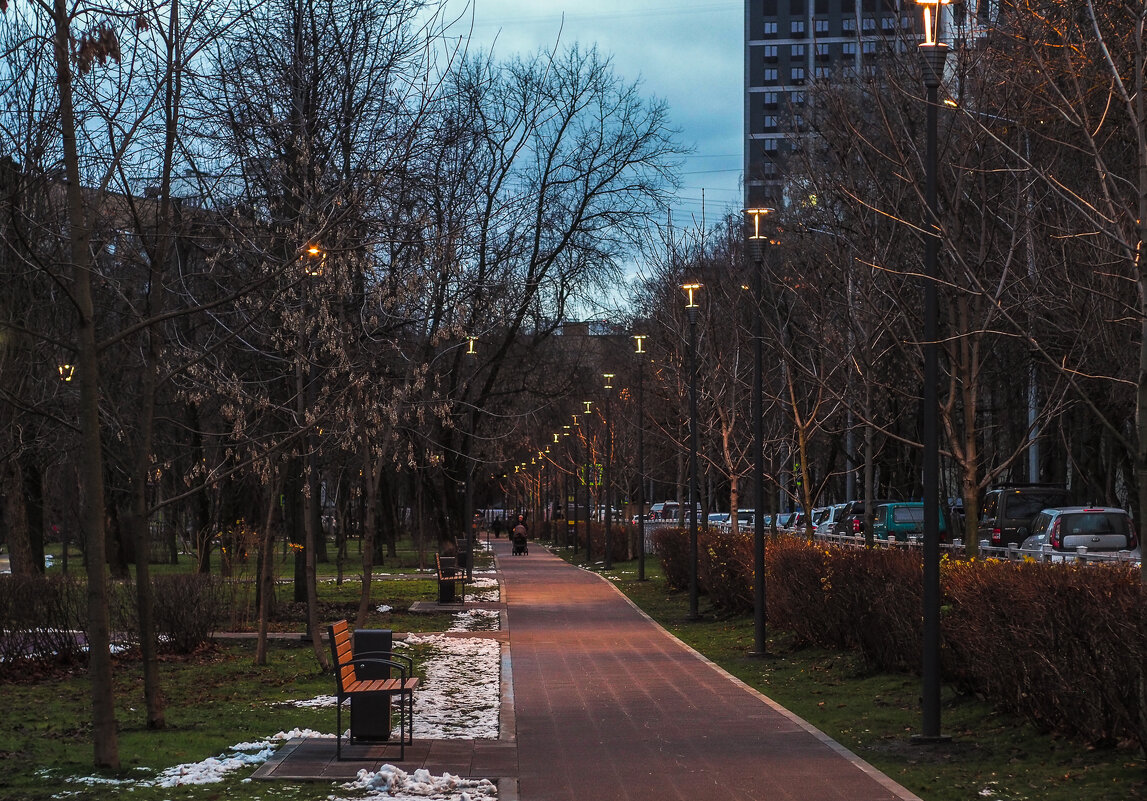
[688, 53]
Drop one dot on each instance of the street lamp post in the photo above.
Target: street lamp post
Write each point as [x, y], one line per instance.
[576, 515]
[608, 560]
[933, 54]
[691, 309]
[756, 251]
[639, 341]
[588, 500]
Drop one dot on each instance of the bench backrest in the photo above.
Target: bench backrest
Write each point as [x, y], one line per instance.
[342, 653]
[446, 564]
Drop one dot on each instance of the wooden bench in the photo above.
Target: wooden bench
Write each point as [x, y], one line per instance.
[349, 685]
[450, 579]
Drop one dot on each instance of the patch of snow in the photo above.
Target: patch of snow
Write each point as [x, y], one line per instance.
[476, 620]
[462, 694]
[394, 784]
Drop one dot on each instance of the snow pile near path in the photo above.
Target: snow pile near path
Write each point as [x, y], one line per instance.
[394, 784]
[483, 590]
[477, 620]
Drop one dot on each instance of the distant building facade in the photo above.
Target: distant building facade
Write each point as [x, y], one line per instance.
[792, 44]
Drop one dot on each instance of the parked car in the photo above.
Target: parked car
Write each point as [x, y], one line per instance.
[900, 520]
[851, 520]
[1007, 513]
[790, 521]
[829, 519]
[1098, 528]
[718, 517]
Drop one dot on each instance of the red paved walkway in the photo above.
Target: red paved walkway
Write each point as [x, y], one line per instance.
[610, 706]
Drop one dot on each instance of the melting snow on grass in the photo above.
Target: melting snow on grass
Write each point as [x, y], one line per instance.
[477, 620]
[462, 692]
[459, 699]
[483, 589]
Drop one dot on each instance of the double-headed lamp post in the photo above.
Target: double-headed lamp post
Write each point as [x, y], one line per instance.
[933, 54]
[640, 352]
[756, 241]
[691, 308]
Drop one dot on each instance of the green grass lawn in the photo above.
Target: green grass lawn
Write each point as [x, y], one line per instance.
[214, 699]
[990, 755]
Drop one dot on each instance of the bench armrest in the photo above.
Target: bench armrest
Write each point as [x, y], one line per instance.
[360, 661]
[386, 656]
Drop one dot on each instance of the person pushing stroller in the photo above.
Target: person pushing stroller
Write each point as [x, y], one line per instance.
[519, 538]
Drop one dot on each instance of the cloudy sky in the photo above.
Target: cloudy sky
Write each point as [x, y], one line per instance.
[687, 52]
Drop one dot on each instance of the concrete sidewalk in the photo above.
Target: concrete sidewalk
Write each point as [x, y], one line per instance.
[608, 705]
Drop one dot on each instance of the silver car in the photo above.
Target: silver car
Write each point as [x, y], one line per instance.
[1097, 528]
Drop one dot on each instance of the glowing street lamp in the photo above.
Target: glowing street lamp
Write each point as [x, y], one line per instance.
[756, 240]
[933, 54]
[640, 352]
[691, 308]
[608, 561]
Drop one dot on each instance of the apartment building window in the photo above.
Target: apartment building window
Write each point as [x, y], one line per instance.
[848, 24]
[769, 168]
[798, 73]
[770, 145]
[797, 97]
[796, 51]
[888, 23]
[868, 48]
[822, 51]
[869, 24]
[797, 26]
[822, 73]
[770, 123]
[848, 48]
[770, 52]
[770, 29]
[770, 74]
[771, 99]
[821, 26]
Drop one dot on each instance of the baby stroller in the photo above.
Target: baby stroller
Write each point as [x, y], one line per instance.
[521, 545]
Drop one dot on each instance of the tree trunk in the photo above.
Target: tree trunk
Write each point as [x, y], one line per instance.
[266, 593]
[16, 518]
[104, 737]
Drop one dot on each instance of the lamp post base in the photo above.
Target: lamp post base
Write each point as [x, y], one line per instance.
[933, 739]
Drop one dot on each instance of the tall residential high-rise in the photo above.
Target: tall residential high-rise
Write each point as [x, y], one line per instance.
[791, 44]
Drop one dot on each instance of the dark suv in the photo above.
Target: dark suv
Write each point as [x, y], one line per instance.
[1007, 512]
[851, 521]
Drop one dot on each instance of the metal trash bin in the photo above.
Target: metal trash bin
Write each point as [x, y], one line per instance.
[370, 714]
[446, 591]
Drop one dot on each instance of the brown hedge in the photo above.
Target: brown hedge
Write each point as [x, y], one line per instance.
[1059, 644]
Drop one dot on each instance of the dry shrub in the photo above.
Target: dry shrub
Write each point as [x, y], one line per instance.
[188, 609]
[41, 618]
[872, 603]
[794, 571]
[672, 546]
[725, 571]
[1059, 644]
